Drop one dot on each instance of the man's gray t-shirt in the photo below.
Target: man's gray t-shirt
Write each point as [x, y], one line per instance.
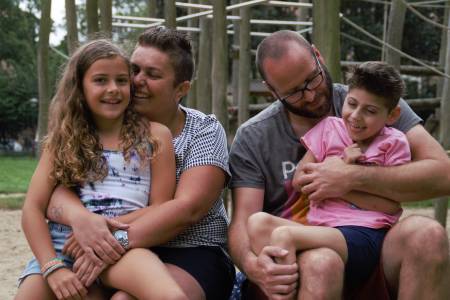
[266, 150]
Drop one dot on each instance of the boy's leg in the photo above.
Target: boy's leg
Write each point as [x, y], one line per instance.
[260, 226]
[34, 287]
[140, 273]
[422, 271]
[300, 238]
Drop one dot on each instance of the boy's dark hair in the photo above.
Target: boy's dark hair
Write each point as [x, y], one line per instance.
[176, 45]
[378, 78]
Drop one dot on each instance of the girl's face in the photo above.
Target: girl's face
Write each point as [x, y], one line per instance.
[364, 115]
[106, 88]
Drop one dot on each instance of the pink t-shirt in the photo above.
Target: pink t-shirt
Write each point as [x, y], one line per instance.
[329, 138]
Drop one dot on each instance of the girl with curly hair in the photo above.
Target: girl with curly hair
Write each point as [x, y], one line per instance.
[116, 162]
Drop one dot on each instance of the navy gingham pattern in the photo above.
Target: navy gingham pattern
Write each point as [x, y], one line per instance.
[202, 142]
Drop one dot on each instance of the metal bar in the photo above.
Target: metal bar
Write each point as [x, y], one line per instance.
[286, 3]
[138, 18]
[193, 5]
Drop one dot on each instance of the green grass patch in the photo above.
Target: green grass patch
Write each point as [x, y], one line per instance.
[15, 173]
[12, 202]
[421, 204]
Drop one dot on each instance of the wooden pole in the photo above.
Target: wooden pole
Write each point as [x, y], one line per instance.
[170, 14]
[395, 32]
[441, 204]
[244, 65]
[220, 63]
[204, 91]
[326, 34]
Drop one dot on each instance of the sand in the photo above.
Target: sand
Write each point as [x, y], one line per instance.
[15, 250]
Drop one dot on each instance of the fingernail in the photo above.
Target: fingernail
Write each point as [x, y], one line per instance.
[284, 252]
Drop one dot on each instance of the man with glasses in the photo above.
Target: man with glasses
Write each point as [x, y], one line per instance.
[263, 158]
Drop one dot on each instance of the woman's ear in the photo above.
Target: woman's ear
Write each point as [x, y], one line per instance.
[182, 89]
[394, 114]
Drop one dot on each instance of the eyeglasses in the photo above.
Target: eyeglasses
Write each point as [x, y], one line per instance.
[309, 85]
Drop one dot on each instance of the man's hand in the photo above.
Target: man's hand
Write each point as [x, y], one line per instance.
[93, 234]
[328, 179]
[277, 281]
[87, 270]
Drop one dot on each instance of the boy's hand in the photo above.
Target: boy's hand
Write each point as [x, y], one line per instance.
[352, 154]
[65, 285]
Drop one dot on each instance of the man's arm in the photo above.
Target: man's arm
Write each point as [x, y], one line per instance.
[427, 176]
[261, 270]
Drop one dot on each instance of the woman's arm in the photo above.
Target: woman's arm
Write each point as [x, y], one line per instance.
[163, 181]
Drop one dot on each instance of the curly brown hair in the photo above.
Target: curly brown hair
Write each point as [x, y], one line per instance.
[72, 140]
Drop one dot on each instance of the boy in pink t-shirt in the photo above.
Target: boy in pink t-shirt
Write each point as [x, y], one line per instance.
[354, 227]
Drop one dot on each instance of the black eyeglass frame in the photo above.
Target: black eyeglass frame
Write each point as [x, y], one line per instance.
[305, 85]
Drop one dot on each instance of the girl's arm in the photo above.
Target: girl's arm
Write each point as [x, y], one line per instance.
[33, 212]
[36, 230]
[361, 199]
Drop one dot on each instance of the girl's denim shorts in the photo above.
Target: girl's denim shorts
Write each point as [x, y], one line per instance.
[58, 233]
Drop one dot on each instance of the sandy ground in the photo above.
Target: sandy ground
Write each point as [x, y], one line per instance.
[15, 251]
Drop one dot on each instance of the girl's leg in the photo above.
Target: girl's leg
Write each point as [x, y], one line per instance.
[34, 287]
[299, 237]
[140, 273]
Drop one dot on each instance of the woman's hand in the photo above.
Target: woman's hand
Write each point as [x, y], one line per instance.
[65, 284]
[92, 232]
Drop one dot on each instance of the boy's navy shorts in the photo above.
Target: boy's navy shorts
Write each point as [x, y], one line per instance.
[364, 250]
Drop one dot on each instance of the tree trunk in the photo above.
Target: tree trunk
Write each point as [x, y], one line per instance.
[170, 14]
[92, 18]
[106, 17]
[72, 31]
[244, 64]
[441, 204]
[395, 32]
[152, 8]
[204, 91]
[326, 34]
[45, 25]
[220, 63]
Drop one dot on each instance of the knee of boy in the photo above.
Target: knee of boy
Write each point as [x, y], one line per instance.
[324, 263]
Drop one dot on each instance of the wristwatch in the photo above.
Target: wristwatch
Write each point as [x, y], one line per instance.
[122, 237]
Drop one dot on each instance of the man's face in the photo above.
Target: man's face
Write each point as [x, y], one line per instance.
[155, 95]
[294, 71]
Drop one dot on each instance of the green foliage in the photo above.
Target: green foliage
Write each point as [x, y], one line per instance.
[15, 173]
[17, 64]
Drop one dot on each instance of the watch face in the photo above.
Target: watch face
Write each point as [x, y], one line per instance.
[122, 237]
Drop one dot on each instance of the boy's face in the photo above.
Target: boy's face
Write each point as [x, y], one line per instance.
[364, 115]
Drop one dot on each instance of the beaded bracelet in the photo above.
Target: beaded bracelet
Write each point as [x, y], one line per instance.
[53, 269]
[51, 262]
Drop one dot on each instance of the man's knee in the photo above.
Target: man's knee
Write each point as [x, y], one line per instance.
[427, 240]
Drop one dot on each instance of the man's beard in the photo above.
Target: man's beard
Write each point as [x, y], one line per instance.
[319, 112]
